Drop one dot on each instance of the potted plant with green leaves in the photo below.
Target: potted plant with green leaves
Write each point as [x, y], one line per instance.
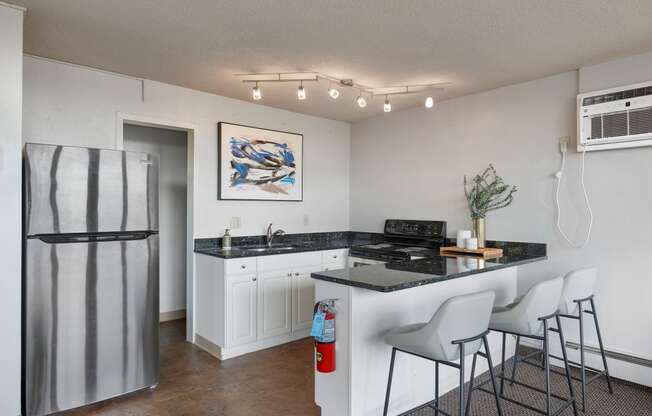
[486, 192]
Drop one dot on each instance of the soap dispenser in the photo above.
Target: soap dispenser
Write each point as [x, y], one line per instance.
[226, 240]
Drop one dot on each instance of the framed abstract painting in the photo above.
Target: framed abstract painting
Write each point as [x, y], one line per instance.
[259, 164]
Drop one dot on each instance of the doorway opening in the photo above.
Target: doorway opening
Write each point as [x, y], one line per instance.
[173, 143]
[171, 146]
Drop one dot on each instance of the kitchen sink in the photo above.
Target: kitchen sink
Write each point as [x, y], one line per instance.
[261, 249]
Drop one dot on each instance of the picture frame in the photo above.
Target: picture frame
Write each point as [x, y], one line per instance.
[258, 164]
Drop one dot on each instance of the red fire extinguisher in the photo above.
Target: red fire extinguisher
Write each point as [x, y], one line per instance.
[324, 333]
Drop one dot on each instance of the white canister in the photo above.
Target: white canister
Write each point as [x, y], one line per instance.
[472, 243]
[462, 236]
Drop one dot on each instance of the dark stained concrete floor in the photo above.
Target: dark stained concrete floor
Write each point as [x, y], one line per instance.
[277, 381]
[280, 382]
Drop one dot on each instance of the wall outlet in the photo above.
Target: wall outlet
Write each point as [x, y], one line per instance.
[234, 223]
[563, 143]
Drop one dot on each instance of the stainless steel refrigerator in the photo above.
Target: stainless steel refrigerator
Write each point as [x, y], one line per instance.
[90, 276]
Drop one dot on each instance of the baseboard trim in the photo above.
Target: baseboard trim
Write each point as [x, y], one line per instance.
[208, 346]
[222, 353]
[172, 315]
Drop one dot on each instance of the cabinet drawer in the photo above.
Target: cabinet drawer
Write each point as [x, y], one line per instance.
[240, 266]
[334, 266]
[334, 256]
[289, 261]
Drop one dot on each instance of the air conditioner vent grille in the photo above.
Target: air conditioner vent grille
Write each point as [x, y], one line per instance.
[616, 96]
[596, 127]
[640, 121]
[616, 124]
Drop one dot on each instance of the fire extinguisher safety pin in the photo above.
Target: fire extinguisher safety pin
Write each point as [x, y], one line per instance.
[327, 303]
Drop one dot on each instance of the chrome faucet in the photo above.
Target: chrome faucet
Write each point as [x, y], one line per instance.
[271, 235]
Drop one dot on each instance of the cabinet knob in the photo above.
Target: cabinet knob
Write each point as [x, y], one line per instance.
[242, 266]
[289, 274]
[334, 256]
[296, 274]
[253, 279]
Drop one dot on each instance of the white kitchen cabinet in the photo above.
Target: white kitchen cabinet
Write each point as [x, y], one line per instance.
[334, 257]
[274, 303]
[303, 297]
[241, 307]
[248, 304]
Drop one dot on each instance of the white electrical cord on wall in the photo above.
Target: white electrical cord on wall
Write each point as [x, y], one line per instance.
[559, 176]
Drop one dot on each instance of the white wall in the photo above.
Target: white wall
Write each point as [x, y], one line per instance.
[172, 148]
[78, 106]
[411, 164]
[11, 83]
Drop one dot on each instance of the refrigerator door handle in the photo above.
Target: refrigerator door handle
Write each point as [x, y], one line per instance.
[93, 237]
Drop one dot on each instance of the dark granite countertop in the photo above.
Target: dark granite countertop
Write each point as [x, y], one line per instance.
[257, 250]
[254, 246]
[390, 277]
[386, 277]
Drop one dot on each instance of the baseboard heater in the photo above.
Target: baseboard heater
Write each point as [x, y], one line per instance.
[632, 359]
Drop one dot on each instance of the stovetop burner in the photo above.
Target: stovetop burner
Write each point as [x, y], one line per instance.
[405, 240]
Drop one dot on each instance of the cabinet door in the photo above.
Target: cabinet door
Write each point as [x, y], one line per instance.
[303, 297]
[241, 304]
[274, 303]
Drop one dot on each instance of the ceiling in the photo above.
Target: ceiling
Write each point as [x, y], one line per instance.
[474, 45]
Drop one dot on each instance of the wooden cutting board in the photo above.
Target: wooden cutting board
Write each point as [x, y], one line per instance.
[487, 252]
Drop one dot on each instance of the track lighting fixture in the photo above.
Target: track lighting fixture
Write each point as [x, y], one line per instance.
[335, 85]
[388, 106]
[301, 92]
[362, 103]
[256, 93]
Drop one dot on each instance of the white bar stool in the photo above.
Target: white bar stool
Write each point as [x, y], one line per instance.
[456, 330]
[577, 294]
[528, 317]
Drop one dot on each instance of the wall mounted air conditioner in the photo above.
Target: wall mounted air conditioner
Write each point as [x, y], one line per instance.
[615, 118]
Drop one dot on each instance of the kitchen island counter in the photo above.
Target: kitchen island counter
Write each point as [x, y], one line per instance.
[389, 277]
[374, 299]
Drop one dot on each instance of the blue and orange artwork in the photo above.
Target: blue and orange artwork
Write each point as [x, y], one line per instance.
[266, 165]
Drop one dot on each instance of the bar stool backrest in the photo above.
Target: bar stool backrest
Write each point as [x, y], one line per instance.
[578, 284]
[458, 318]
[541, 300]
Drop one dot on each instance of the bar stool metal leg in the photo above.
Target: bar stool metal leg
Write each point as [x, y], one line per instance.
[567, 368]
[494, 384]
[546, 352]
[461, 396]
[502, 366]
[436, 388]
[499, 405]
[582, 364]
[468, 400]
[389, 381]
[604, 358]
[515, 359]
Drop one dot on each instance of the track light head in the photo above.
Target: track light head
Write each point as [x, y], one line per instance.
[256, 93]
[388, 106]
[333, 93]
[430, 102]
[301, 92]
[362, 103]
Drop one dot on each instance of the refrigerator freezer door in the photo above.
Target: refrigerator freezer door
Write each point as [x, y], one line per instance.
[91, 321]
[80, 190]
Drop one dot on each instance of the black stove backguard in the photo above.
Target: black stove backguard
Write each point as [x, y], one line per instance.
[422, 233]
[400, 234]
